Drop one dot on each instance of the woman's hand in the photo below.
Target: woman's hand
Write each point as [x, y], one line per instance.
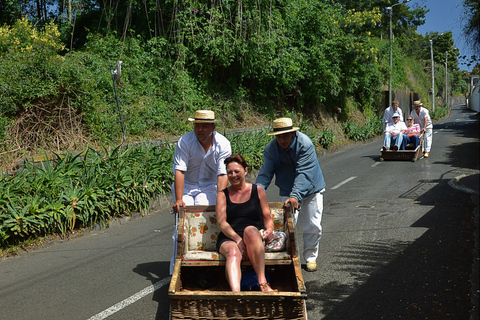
[268, 236]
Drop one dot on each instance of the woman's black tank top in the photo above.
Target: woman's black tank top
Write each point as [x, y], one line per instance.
[242, 215]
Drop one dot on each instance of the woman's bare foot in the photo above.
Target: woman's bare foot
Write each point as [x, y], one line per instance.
[265, 287]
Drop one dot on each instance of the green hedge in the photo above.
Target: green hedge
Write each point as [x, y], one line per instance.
[75, 191]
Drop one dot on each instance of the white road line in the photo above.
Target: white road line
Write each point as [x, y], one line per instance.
[375, 164]
[343, 182]
[132, 299]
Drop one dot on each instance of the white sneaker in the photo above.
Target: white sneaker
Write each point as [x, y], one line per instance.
[311, 266]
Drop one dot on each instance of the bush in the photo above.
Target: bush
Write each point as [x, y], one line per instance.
[327, 138]
[372, 128]
[75, 191]
[250, 145]
[439, 113]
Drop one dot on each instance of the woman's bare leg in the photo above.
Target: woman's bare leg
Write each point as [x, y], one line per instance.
[256, 254]
[233, 272]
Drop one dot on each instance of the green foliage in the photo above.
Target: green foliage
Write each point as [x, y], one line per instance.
[471, 29]
[370, 129]
[326, 138]
[439, 113]
[75, 191]
[30, 64]
[458, 83]
[250, 145]
[274, 56]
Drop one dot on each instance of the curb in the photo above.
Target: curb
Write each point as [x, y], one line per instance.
[456, 184]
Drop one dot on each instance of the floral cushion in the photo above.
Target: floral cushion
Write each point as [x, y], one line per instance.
[202, 232]
[277, 216]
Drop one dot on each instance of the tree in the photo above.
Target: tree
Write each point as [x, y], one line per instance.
[476, 69]
[471, 30]
[10, 11]
[443, 44]
[404, 17]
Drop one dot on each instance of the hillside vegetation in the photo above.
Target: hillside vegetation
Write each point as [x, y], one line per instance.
[250, 61]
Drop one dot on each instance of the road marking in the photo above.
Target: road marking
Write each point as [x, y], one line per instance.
[343, 182]
[375, 164]
[132, 299]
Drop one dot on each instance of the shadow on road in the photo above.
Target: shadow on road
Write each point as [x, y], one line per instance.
[430, 278]
[426, 279]
[155, 272]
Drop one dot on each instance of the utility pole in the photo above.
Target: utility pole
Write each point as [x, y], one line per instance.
[433, 71]
[433, 75]
[446, 78]
[390, 9]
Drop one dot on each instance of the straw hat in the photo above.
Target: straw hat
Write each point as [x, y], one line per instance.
[282, 125]
[417, 103]
[204, 116]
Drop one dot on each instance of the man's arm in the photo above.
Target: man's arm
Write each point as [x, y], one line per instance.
[267, 171]
[305, 167]
[386, 116]
[179, 183]
[222, 182]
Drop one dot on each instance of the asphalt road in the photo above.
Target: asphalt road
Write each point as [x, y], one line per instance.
[398, 243]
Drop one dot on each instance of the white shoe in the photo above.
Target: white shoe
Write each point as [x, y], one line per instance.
[311, 266]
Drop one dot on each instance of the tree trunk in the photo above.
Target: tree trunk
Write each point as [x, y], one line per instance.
[69, 12]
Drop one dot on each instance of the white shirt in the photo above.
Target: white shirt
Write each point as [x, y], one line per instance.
[201, 169]
[396, 127]
[420, 118]
[387, 116]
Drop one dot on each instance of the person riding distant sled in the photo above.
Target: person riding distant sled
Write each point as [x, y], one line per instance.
[394, 132]
[388, 114]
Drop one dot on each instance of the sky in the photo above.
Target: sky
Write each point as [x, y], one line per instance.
[446, 15]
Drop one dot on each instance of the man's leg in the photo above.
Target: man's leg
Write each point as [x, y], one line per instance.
[311, 219]
[387, 140]
[406, 140]
[416, 141]
[428, 139]
[397, 141]
[206, 198]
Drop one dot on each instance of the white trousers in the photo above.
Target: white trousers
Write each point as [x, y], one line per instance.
[310, 216]
[427, 140]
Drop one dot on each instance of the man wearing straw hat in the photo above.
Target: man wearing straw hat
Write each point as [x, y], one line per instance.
[292, 159]
[422, 117]
[198, 166]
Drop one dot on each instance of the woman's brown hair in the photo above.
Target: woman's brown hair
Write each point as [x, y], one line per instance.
[238, 159]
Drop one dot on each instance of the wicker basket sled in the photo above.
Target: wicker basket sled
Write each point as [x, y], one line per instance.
[199, 289]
